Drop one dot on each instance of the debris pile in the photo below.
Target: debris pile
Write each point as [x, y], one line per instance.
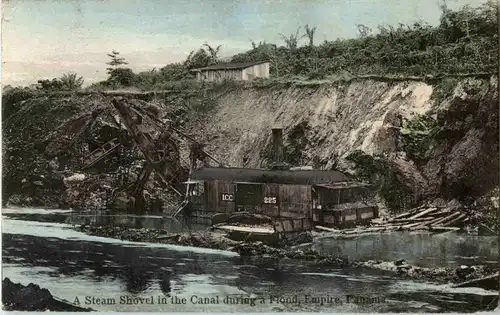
[481, 276]
[449, 217]
[424, 218]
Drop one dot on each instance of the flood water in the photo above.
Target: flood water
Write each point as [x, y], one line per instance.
[40, 246]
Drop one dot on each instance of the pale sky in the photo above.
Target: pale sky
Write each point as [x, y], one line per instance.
[47, 38]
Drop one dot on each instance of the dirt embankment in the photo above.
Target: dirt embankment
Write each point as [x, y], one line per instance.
[416, 141]
[47, 140]
[429, 140]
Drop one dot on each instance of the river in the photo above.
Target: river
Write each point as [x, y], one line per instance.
[40, 246]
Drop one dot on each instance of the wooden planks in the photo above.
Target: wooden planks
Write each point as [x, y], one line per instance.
[432, 218]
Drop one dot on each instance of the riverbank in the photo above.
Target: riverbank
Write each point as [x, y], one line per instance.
[462, 276]
[212, 239]
[33, 298]
[216, 239]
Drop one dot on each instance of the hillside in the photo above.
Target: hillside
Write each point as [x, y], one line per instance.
[416, 141]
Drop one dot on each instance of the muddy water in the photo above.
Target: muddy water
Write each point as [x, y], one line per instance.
[41, 247]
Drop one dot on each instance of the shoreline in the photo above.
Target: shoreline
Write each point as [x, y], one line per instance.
[214, 239]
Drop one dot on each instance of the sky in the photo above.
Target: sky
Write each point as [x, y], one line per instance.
[47, 38]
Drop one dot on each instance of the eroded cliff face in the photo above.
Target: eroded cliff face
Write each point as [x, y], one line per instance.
[325, 123]
[412, 139]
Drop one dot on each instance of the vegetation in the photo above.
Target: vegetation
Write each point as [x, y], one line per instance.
[116, 61]
[443, 89]
[465, 41]
[378, 171]
[68, 82]
[417, 134]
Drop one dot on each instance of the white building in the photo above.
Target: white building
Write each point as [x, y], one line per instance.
[235, 71]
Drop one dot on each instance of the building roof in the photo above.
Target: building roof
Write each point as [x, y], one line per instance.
[342, 185]
[231, 65]
[299, 177]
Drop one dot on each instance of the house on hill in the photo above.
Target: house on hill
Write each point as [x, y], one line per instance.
[243, 71]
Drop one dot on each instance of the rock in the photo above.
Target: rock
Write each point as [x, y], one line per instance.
[75, 178]
[400, 262]
[32, 298]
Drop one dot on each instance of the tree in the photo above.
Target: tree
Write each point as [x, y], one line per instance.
[310, 34]
[198, 59]
[121, 77]
[49, 85]
[213, 53]
[174, 72]
[363, 30]
[71, 82]
[116, 61]
[292, 41]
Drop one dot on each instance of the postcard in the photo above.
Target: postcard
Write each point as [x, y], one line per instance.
[250, 156]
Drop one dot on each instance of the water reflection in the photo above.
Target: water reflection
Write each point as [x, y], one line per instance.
[107, 218]
[81, 267]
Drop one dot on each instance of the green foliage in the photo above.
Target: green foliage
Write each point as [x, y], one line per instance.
[71, 82]
[68, 82]
[417, 135]
[202, 57]
[180, 85]
[225, 84]
[202, 106]
[378, 171]
[174, 72]
[292, 41]
[310, 31]
[297, 142]
[49, 85]
[116, 61]
[121, 77]
[12, 99]
[443, 88]
[465, 41]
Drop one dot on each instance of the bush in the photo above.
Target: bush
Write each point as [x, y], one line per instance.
[121, 77]
[417, 135]
[378, 171]
[464, 42]
[12, 99]
[202, 106]
[68, 82]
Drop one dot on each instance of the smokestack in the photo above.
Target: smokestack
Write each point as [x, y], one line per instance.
[278, 144]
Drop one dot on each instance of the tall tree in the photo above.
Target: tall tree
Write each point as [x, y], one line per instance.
[198, 59]
[363, 30]
[116, 61]
[292, 41]
[213, 53]
[310, 31]
[71, 81]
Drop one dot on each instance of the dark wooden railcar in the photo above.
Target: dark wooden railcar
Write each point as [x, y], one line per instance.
[314, 195]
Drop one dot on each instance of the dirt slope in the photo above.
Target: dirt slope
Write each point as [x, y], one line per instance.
[361, 127]
[325, 123]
